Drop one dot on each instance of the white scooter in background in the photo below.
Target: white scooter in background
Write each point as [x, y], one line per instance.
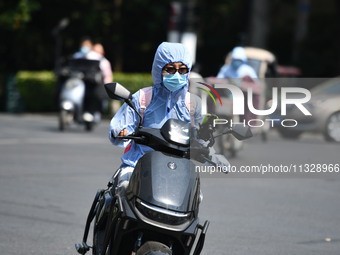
[73, 95]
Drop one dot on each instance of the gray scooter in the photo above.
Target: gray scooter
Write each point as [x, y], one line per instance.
[77, 77]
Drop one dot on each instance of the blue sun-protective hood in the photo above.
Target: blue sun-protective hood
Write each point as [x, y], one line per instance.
[165, 54]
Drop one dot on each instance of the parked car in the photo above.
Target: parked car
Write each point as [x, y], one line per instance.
[325, 109]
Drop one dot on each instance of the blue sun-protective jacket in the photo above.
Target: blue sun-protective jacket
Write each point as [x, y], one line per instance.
[164, 103]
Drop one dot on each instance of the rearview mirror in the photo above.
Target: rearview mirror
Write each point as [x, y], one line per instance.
[117, 91]
[241, 132]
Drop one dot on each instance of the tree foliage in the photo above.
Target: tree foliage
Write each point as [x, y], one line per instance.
[131, 30]
[16, 14]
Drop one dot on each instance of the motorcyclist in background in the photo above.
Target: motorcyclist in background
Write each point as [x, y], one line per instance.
[245, 77]
[94, 92]
[97, 53]
[238, 67]
[97, 99]
[85, 47]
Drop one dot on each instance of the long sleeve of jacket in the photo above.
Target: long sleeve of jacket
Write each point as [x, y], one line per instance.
[127, 118]
[223, 70]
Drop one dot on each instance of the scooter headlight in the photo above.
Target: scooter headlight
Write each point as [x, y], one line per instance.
[164, 216]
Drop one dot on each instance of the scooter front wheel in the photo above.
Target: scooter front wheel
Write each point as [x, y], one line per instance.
[63, 120]
[98, 240]
[154, 248]
[89, 126]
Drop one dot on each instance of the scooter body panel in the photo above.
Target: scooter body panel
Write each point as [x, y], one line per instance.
[165, 181]
[73, 92]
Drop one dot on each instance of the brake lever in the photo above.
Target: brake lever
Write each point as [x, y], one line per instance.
[210, 161]
[227, 130]
[132, 137]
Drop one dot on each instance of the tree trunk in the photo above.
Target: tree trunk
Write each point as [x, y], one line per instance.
[117, 35]
[337, 4]
[301, 28]
[259, 23]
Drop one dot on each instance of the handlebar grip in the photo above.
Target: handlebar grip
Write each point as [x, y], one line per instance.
[200, 153]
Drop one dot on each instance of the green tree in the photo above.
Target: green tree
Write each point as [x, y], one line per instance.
[14, 17]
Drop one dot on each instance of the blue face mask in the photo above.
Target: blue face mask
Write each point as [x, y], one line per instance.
[84, 49]
[236, 63]
[175, 81]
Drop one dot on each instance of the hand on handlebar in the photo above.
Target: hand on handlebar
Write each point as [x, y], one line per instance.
[205, 154]
[123, 132]
[123, 135]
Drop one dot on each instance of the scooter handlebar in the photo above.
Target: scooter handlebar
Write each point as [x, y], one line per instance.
[132, 137]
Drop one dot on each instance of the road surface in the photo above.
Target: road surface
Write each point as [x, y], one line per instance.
[48, 180]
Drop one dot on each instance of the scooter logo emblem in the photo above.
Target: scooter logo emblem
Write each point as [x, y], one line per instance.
[172, 165]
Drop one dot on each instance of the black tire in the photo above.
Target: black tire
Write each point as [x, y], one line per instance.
[63, 120]
[154, 248]
[100, 228]
[264, 136]
[332, 129]
[289, 134]
[98, 239]
[89, 126]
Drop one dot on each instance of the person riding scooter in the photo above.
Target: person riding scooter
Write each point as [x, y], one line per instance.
[238, 73]
[170, 71]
